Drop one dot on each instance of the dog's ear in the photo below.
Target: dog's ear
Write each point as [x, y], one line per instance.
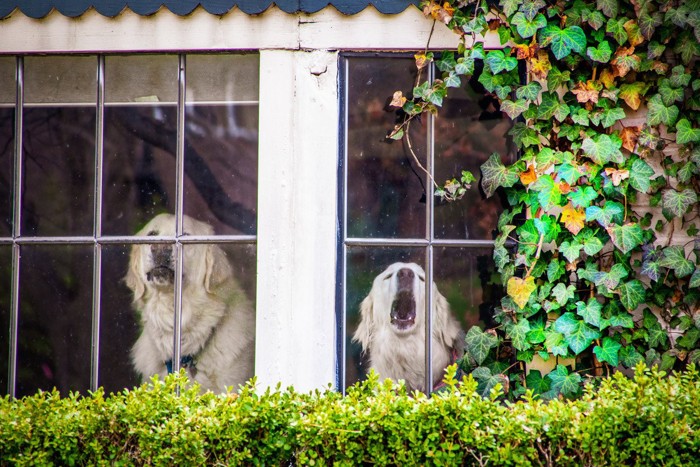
[217, 268]
[448, 330]
[133, 277]
[363, 334]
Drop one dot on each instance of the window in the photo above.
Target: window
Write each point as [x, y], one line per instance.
[389, 213]
[91, 149]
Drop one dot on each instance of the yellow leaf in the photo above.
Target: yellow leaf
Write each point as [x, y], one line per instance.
[587, 91]
[540, 66]
[398, 99]
[607, 78]
[629, 136]
[617, 175]
[521, 289]
[572, 218]
[528, 176]
[421, 61]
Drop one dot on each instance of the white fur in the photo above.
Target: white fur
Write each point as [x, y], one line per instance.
[218, 321]
[399, 354]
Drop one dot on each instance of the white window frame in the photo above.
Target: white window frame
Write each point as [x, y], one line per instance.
[299, 147]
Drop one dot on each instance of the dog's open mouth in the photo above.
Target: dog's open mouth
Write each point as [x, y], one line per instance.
[161, 275]
[403, 310]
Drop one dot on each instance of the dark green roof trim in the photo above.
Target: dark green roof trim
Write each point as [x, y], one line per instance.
[72, 8]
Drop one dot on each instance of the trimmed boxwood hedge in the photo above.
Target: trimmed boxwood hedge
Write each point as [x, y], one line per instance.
[651, 419]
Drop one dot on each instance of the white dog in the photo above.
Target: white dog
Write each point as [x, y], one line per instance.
[218, 321]
[392, 327]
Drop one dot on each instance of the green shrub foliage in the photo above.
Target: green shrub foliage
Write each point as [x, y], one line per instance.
[604, 212]
[651, 419]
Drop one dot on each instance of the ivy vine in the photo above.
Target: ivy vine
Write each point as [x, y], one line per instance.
[603, 215]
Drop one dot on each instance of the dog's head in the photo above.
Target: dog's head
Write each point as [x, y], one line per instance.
[152, 266]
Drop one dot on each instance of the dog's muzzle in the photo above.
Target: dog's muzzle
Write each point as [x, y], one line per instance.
[403, 308]
[162, 272]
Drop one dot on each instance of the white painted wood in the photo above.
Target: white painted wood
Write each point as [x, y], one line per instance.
[273, 29]
[298, 153]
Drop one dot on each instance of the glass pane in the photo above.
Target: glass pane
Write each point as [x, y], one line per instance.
[5, 313]
[385, 186]
[469, 129]
[60, 80]
[55, 319]
[7, 141]
[118, 322]
[223, 78]
[141, 78]
[221, 166]
[364, 264]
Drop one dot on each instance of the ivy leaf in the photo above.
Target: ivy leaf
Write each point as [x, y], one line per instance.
[531, 8]
[640, 175]
[650, 268]
[557, 78]
[498, 62]
[549, 106]
[679, 78]
[670, 95]
[677, 203]
[548, 191]
[530, 91]
[514, 108]
[608, 7]
[563, 41]
[479, 344]
[509, 6]
[674, 258]
[632, 294]
[494, 175]
[610, 117]
[570, 250]
[568, 384]
[611, 211]
[617, 29]
[524, 135]
[537, 382]
[573, 218]
[601, 54]
[612, 278]
[695, 280]
[686, 172]
[630, 357]
[590, 311]
[518, 334]
[626, 237]
[521, 289]
[659, 113]
[486, 380]
[555, 269]
[602, 149]
[685, 133]
[583, 196]
[576, 332]
[608, 352]
[555, 344]
[528, 28]
[632, 93]
[592, 246]
[570, 173]
[563, 293]
[648, 23]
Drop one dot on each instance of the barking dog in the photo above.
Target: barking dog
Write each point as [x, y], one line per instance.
[218, 321]
[392, 327]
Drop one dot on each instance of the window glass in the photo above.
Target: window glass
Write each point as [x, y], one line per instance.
[389, 249]
[55, 318]
[58, 146]
[7, 141]
[5, 313]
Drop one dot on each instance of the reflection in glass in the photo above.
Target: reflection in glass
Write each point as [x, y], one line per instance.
[223, 78]
[141, 78]
[363, 265]
[55, 318]
[7, 140]
[469, 129]
[386, 195]
[5, 312]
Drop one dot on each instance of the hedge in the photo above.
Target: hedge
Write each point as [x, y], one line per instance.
[650, 419]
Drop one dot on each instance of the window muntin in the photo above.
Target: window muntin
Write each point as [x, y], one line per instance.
[94, 170]
[389, 213]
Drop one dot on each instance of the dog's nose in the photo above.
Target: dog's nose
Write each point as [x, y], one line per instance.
[161, 254]
[405, 276]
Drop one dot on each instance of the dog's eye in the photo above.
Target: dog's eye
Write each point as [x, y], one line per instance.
[421, 278]
[152, 233]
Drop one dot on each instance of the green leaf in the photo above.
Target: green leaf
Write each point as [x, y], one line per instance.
[555, 269]
[524, 135]
[659, 113]
[695, 279]
[640, 175]
[632, 294]
[678, 203]
[557, 78]
[670, 95]
[576, 332]
[583, 196]
[626, 237]
[611, 278]
[536, 382]
[650, 268]
[610, 212]
[603, 149]
[685, 133]
[592, 246]
[563, 294]
[528, 28]
[514, 109]
[571, 251]
[531, 8]
[601, 54]
[548, 191]
[563, 41]
[530, 91]
[629, 356]
[509, 6]
[608, 7]
[494, 175]
[608, 352]
[549, 106]
[570, 174]
[686, 172]
[610, 117]
[555, 343]
[590, 311]
[518, 334]
[479, 344]
[568, 384]
[616, 28]
[486, 380]
[498, 62]
[674, 258]
[679, 78]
